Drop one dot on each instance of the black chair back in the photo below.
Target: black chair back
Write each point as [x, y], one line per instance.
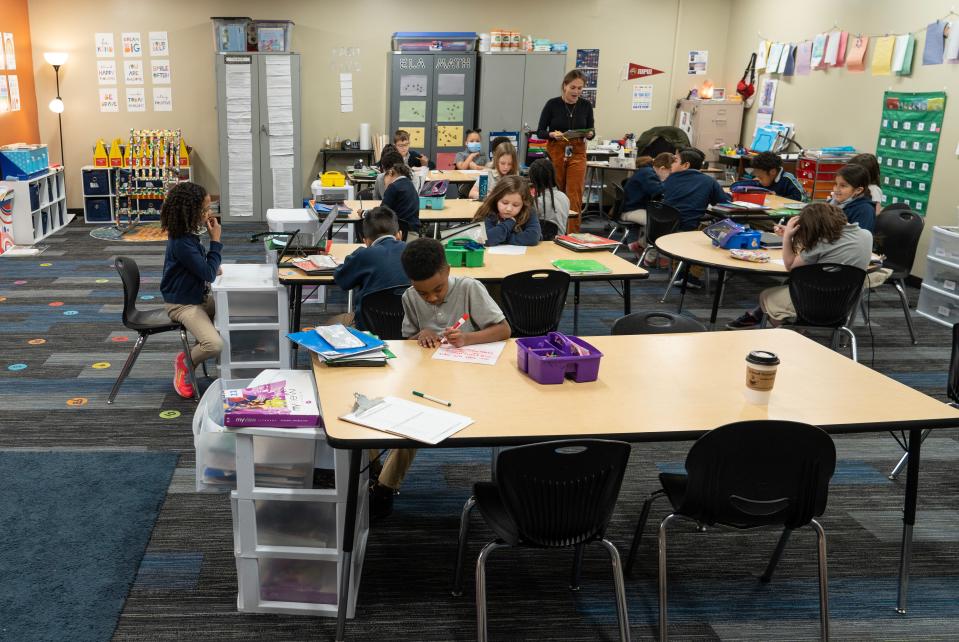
[952, 387]
[130, 276]
[824, 294]
[533, 301]
[561, 493]
[897, 237]
[655, 322]
[757, 473]
[382, 312]
[661, 219]
[550, 229]
[619, 197]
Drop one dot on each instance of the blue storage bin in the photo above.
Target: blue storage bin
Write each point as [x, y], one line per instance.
[34, 196]
[23, 162]
[96, 182]
[98, 210]
[432, 202]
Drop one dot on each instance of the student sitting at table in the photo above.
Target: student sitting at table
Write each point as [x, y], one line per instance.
[401, 139]
[819, 234]
[471, 157]
[870, 163]
[402, 198]
[388, 158]
[645, 185]
[376, 266]
[768, 172]
[851, 193]
[508, 214]
[504, 163]
[434, 303]
[550, 204]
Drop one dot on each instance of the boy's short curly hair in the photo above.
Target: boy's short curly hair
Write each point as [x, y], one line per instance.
[423, 258]
[182, 209]
[766, 161]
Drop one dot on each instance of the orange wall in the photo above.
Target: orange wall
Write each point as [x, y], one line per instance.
[20, 126]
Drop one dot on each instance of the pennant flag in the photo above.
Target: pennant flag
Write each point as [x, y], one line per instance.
[641, 71]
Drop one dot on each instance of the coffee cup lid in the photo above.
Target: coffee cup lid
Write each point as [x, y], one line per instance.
[762, 358]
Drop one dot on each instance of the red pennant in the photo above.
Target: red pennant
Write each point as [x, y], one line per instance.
[641, 71]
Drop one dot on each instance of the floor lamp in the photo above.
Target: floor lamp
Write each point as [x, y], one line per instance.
[56, 59]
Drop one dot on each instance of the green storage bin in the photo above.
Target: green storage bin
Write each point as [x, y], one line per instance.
[461, 252]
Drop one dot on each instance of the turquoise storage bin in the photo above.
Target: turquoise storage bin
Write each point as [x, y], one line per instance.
[432, 202]
[23, 161]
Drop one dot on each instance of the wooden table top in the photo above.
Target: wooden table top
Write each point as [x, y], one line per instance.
[498, 266]
[454, 210]
[455, 175]
[698, 248]
[696, 385]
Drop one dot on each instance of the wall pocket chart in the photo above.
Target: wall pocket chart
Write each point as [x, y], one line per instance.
[907, 146]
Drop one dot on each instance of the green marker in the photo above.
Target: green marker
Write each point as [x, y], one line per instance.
[432, 398]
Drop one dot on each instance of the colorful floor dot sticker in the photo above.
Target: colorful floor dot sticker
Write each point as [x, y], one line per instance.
[55, 304]
[70, 313]
[14, 367]
[100, 365]
[170, 414]
[37, 342]
[147, 297]
[20, 282]
[120, 339]
[102, 280]
[77, 401]
[46, 264]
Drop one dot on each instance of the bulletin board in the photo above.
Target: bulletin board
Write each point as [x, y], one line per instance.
[907, 146]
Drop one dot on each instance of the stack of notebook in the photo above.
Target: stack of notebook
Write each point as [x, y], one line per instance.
[584, 242]
[338, 345]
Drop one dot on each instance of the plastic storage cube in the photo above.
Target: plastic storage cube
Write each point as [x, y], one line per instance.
[551, 359]
[274, 35]
[230, 34]
[942, 275]
[938, 305]
[945, 244]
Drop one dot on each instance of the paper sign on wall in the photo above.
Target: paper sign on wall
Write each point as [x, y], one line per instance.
[14, 93]
[882, 55]
[935, 47]
[136, 99]
[131, 44]
[417, 136]
[162, 99]
[104, 45]
[4, 94]
[159, 45]
[3, 59]
[109, 99]
[449, 136]
[106, 72]
[698, 62]
[10, 56]
[856, 56]
[160, 71]
[642, 97]
[133, 72]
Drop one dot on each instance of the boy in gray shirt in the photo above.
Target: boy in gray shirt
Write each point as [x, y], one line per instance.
[431, 307]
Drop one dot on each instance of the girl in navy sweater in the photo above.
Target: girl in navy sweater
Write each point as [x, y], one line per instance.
[852, 195]
[508, 214]
[645, 185]
[187, 269]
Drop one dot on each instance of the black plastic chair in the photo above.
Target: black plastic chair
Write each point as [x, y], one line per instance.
[661, 219]
[382, 312]
[145, 323]
[897, 234]
[615, 215]
[533, 301]
[952, 391]
[557, 494]
[655, 322]
[550, 230]
[747, 475]
[825, 295]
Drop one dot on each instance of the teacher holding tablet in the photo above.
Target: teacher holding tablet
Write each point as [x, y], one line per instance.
[567, 123]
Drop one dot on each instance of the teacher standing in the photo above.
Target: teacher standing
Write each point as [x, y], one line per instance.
[568, 153]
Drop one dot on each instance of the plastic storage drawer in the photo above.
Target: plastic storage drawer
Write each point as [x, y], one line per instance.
[294, 523]
[942, 275]
[945, 244]
[98, 210]
[938, 306]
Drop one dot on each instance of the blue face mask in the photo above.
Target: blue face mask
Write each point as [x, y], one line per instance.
[473, 147]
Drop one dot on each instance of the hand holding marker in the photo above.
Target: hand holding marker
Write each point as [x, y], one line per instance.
[456, 326]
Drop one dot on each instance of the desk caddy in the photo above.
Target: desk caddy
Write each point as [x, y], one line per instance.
[730, 235]
[555, 357]
[463, 252]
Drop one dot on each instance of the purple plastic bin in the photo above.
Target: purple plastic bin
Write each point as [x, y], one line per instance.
[552, 358]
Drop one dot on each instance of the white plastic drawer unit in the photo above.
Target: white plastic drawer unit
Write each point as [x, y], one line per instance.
[944, 245]
[938, 305]
[942, 275]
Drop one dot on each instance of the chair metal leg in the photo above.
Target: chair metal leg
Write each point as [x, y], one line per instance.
[620, 589]
[899, 285]
[127, 366]
[189, 363]
[481, 634]
[642, 256]
[457, 589]
[777, 553]
[905, 458]
[823, 580]
[205, 373]
[640, 527]
[672, 278]
[663, 622]
[852, 343]
[577, 567]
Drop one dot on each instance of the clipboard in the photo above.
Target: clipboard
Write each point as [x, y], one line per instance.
[405, 418]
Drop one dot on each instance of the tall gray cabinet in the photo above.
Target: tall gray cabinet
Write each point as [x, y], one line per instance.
[258, 115]
[513, 87]
[432, 96]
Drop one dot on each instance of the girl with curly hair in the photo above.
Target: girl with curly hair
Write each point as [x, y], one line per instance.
[188, 268]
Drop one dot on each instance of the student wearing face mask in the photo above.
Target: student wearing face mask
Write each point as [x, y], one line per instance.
[471, 158]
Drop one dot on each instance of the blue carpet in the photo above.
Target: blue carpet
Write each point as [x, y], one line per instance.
[74, 527]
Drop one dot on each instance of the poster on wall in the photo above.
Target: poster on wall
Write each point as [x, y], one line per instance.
[136, 99]
[107, 72]
[104, 45]
[698, 62]
[133, 72]
[109, 99]
[907, 146]
[160, 70]
[642, 98]
[159, 44]
[3, 59]
[14, 93]
[162, 99]
[4, 94]
[131, 44]
[587, 61]
[9, 55]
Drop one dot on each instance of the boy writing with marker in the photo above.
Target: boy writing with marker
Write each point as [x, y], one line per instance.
[433, 312]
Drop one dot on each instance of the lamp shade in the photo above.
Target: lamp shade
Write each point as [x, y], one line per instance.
[56, 106]
[55, 58]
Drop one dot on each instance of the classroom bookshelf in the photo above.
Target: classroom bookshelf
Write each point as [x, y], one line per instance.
[39, 206]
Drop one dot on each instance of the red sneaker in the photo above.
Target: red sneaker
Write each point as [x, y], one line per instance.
[181, 377]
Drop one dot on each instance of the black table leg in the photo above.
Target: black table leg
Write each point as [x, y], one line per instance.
[575, 307]
[720, 278]
[296, 306]
[349, 534]
[909, 517]
[682, 290]
[627, 297]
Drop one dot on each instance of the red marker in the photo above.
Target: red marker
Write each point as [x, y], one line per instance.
[459, 324]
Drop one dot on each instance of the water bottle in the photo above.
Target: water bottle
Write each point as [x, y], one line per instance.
[483, 186]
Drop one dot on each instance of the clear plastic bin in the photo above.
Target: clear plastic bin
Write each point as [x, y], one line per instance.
[275, 36]
[254, 346]
[293, 580]
[942, 275]
[311, 524]
[938, 306]
[252, 307]
[230, 34]
[945, 244]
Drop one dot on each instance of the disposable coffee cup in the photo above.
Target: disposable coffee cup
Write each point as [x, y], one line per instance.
[761, 368]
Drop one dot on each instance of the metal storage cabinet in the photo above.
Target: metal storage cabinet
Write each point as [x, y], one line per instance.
[713, 124]
[250, 138]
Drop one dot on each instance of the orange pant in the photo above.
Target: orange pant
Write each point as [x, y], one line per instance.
[571, 171]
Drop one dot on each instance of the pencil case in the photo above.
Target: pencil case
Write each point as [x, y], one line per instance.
[555, 357]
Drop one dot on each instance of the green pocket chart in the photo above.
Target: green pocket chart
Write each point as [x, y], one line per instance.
[907, 146]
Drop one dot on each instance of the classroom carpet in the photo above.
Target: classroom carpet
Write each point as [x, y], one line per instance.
[60, 323]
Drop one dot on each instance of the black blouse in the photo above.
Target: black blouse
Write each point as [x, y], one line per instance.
[559, 116]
